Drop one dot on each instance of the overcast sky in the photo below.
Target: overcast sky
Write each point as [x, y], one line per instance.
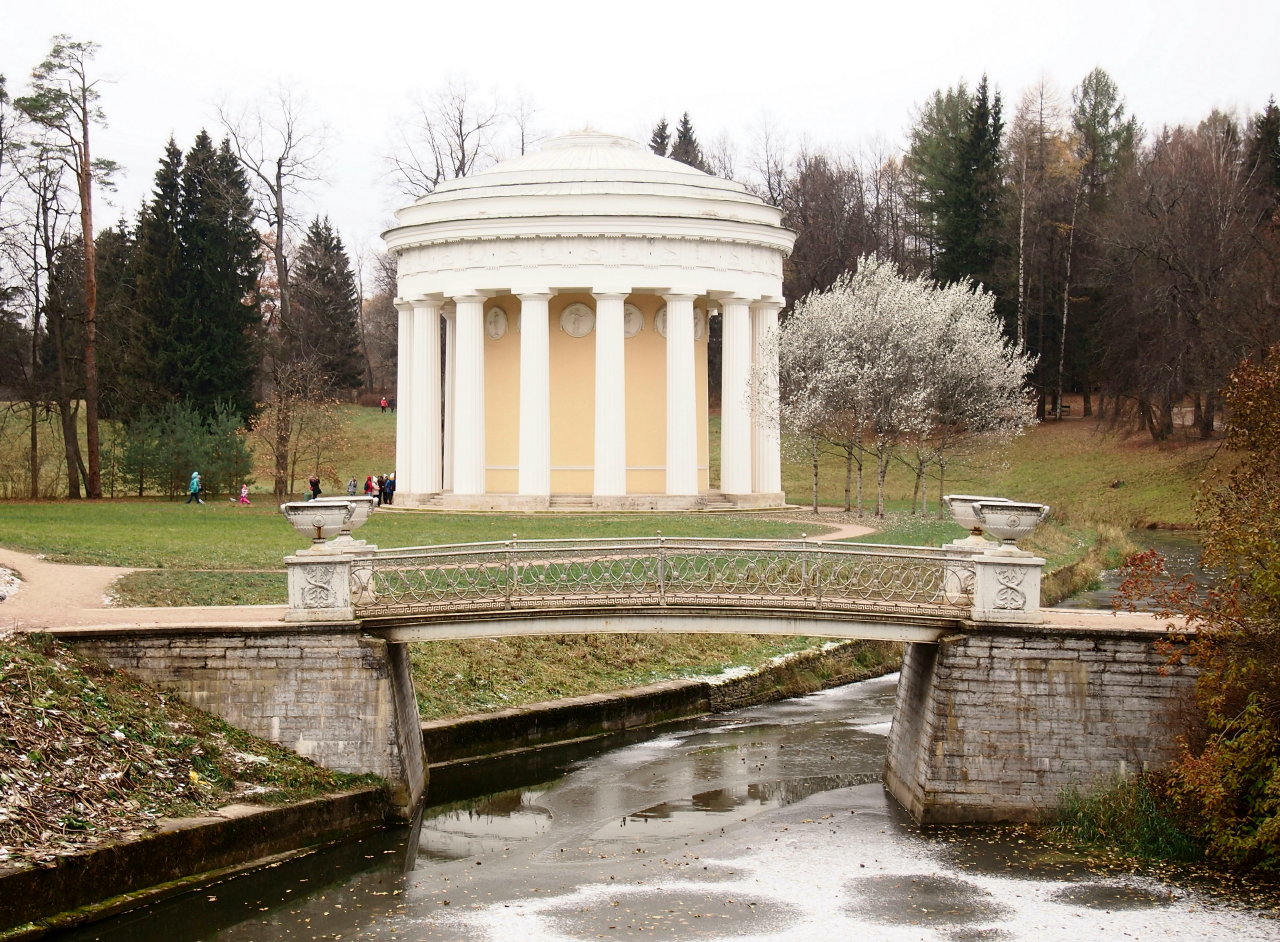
[842, 74]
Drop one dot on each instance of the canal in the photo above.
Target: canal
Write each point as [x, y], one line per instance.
[766, 824]
[1181, 549]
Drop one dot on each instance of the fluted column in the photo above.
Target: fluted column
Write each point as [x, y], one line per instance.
[611, 396]
[534, 476]
[735, 409]
[450, 360]
[405, 418]
[468, 404]
[426, 439]
[682, 419]
[766, 440]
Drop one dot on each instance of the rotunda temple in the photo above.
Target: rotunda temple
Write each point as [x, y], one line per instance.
[575, 286]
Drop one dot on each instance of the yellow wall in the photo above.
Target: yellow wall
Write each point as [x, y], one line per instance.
[572, 402]
[646, 403]
[502, 401]
[573, 383]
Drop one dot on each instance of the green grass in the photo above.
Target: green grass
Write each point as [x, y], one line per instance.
[455, 678]
[157, 534]
[1123, 816]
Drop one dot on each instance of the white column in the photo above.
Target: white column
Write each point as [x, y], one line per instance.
[766, 443]
[426, 439]
[611, 396]
[405, 418]
[735, 409]
[534, 477]
[468, 399]
[450, 420]
[682, 422]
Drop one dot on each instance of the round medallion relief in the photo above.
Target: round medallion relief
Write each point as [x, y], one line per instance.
[577, 320]
[495, 323]
[699, 322]
[632, 320]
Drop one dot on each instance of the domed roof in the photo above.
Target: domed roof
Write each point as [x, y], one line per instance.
[580, 176]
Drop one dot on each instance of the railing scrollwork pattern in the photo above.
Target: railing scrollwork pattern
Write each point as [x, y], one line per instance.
[516, 575]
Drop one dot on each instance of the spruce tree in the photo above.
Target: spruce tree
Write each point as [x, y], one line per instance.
[158, 272]
[969, 205]
[326, 308]
[660, 141]
[197, 268]
[1263, 152]
[686, 149]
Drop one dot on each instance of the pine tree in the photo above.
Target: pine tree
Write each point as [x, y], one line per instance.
[660, 142]
[686, 149]
[327, 308]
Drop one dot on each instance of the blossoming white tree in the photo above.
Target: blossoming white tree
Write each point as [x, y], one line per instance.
[881, 365]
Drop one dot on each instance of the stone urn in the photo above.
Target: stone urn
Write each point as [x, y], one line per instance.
[319, 519]
[961, 507]
[364, 508]
[1007, 520]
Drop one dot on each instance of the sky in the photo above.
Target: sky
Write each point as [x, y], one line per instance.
[843, 75]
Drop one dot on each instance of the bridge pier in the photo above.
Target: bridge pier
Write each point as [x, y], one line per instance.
[993, 723]
[326, 691]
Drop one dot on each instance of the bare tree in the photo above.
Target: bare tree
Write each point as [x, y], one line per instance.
[452, 134]
[280, 151]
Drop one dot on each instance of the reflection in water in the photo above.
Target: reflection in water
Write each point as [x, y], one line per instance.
[689, 816]
[484, 826]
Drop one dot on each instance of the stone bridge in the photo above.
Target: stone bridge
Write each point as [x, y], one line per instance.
[1000, 705]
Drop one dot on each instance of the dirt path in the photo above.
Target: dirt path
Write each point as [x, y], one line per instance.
[59, 595]
[835, 520]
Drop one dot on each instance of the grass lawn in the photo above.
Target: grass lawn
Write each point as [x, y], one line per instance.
[222, 554]
[1090, 475]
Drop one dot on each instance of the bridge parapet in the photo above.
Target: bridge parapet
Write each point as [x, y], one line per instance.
[984, 583]
[659, 572]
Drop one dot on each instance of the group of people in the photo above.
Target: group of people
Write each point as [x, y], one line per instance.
[382, 487]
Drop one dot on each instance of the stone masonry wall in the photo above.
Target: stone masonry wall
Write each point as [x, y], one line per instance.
[994, 726]
[324, 691]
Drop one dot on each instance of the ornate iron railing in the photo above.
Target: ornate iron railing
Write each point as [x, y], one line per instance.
[519, 575]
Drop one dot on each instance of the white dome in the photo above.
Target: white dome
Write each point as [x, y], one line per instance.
[588, 181]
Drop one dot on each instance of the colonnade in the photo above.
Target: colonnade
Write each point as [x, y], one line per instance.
[435, 457]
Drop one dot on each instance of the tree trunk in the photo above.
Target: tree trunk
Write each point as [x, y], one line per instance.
[882, 469]
[848, 480]
[1208, 415]
[1021, 328]
[1066, 294]
[92, 435]
[813, 454]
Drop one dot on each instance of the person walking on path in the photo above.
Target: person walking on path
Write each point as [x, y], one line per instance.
[351, 488]
[383, 403]
[244, 496]
[194, 488]
[368, 486]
